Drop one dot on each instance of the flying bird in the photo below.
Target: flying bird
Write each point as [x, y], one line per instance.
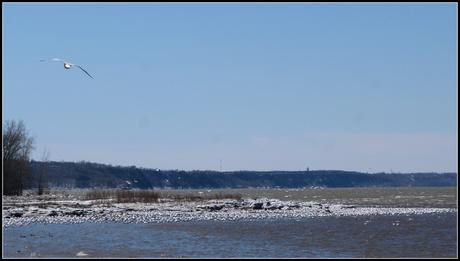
[68, 65]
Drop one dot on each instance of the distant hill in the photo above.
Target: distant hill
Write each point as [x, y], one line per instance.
[86, 174]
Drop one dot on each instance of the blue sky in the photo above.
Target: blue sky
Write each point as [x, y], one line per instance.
[366, 87]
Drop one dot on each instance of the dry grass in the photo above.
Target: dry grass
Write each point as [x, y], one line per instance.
[123, 196]
[144, 196]
[193, 197]
[99, 194]
[149, 196]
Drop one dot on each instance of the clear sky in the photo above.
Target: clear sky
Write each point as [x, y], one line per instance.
[365, 87]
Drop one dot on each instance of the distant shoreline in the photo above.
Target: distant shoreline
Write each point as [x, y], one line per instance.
[87, 175]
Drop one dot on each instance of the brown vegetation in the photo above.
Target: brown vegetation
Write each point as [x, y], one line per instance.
[124, 196]
[149, 196]
[193, 197]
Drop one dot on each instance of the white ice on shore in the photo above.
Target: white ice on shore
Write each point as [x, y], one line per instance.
[76, 211]
[81, 253]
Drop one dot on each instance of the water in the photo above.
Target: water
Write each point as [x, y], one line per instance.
[368, 196]
[429, 235]
[378, 236]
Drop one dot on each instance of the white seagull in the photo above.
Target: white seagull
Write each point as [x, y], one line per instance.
[68, 65]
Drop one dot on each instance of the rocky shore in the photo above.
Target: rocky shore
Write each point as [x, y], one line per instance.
[18, 212]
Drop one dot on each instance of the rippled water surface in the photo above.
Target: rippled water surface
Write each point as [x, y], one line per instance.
[428, 235]
[378, 196]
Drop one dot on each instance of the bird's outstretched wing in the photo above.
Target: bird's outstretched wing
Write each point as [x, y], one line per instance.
[54, 60]
[84, 71]
[67, 63]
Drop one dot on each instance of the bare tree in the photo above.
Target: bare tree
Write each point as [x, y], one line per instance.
[42, 173]
[17, 146]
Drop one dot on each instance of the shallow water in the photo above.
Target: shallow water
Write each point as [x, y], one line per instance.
[426, 235]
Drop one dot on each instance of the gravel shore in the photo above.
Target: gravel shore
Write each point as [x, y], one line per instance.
[19, 211]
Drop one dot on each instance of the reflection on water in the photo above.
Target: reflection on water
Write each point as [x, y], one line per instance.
[428, 235]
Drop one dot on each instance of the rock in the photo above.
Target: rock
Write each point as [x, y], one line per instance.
[257, 205]
[234, 204]
[16, 214]
[77, 212]
[53, 213]
[215, 207]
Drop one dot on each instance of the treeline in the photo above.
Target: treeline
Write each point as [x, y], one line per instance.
[86, 174]
[16, 148]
